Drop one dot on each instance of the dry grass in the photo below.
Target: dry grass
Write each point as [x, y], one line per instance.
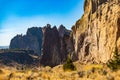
[83, 72]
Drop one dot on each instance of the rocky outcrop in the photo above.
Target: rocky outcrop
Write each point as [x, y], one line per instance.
[51, 47]
[98, 31]
[36, 32]
[66, 40]
[53, 44]
[31, 41]
[56, 45]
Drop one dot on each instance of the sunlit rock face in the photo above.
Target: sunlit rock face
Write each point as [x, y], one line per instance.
[98, 31]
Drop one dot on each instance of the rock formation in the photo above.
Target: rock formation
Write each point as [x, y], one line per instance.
[31, 41]
[66, 40]
[93, 37]
[53, 44]
[56, 45]
[51, 47]
[98, 31]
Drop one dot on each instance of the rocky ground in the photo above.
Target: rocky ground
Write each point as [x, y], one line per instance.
[83, 72]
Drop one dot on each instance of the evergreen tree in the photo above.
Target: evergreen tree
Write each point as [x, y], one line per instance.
[114, 63]
[69, 65]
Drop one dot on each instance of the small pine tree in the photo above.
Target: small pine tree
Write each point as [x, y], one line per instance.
[114, 63]
[69, 65]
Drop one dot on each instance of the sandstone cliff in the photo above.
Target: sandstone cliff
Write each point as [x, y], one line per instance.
[98, 31]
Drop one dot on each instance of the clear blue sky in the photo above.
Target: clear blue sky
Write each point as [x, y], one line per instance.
[18, 15]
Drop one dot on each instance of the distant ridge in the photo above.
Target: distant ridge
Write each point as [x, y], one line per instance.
[4, 47]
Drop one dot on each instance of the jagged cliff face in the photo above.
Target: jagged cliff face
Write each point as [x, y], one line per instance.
[53, 44]
[31, 41]
[56, 45]
[98, 31]
[51, 47]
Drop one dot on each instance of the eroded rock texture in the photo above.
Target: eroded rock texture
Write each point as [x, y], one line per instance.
[98, 31]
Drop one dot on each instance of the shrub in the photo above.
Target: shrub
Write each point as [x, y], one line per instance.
[81, 73]
[114, 63]
[69, 65]
[10, 76]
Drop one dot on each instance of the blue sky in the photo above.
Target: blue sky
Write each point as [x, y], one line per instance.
[18, 15]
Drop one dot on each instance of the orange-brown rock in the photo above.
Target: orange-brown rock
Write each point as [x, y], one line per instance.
[98, 31]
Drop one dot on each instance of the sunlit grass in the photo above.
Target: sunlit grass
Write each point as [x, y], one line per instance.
[57, 73]
[88, 67]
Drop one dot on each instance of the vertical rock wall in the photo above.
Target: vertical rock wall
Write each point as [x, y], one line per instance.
[97, 33]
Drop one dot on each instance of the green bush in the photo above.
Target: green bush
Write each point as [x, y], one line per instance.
[69, 65]
[114, 64]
